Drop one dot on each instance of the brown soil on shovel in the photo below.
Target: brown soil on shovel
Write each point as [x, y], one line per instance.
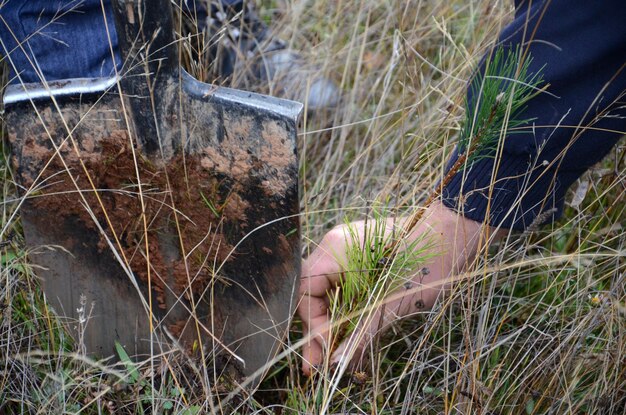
[181, 199]
[222, 240]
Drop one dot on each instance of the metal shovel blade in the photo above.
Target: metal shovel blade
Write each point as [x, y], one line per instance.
[172, 211]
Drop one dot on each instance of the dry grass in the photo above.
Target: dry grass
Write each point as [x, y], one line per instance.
[539, 328]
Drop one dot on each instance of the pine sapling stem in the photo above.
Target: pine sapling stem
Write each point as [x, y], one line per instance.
[415, 218]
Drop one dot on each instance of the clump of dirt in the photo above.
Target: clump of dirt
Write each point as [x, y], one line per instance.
[187, 217]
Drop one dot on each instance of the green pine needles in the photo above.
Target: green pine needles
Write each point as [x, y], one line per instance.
[385, 261]
[496, 99]
[372, 271]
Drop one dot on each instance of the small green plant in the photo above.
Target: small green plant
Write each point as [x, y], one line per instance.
[385, 260]
[372, 270]
[496, 99]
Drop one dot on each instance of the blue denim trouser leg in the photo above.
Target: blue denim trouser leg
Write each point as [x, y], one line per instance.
[63, 39]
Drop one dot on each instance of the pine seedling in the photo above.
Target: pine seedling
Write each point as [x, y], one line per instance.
[385, 261]
[373, 272]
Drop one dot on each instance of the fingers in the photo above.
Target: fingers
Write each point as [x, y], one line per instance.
[317, 343]
[314, 314]
[320, 273]
[326, 263]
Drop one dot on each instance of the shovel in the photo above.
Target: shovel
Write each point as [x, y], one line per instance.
[162, 211]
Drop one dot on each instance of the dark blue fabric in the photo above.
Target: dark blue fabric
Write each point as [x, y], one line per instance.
[62, 38]
[580, 46]
[68, 38]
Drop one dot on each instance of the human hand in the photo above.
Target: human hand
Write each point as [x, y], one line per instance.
[453, 238]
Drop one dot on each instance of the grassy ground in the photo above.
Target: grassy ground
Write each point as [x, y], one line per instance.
[540, 328]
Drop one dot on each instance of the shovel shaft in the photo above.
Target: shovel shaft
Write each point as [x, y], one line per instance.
[145, 31]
